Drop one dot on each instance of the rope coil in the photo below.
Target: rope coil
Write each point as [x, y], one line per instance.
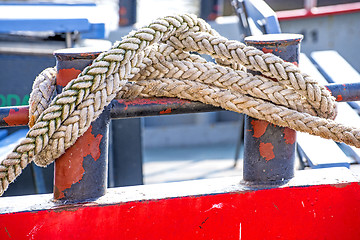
[155, 61]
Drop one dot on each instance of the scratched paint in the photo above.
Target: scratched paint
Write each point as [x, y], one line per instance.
[33, 233]
[267, 151]
[166, 111]
[65, 75]
[73, 159]
[7, 232]
[17, 116]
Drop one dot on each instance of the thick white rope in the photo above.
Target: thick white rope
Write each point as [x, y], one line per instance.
[155, 61]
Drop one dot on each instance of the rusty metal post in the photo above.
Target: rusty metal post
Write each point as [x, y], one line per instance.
[127, 12]
[269, 150]
[81, 172]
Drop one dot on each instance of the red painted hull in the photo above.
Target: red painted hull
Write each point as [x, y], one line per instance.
[315, 212]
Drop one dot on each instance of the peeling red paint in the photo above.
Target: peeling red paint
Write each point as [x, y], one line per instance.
[69, 167]
[64, 76]
[266, 151]
[87, 55]
[17, 116]
[339, 98]
[259, 127]
[265, 50]
[149, 101]
[168, 110]
[289, 136]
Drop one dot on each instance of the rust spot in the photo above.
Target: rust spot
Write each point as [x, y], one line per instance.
[64, 76]
[17, 116]
[289, 136]
[339, 98]
[266, 151]
[123, 21]
[69, 167]
[122, 10]
[87, 55]
[265, 50]
[168, 110]
[259, 127]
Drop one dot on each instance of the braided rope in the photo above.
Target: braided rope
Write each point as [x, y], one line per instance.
[43, 89]
[235, 101]
[266, 63]
[156, 61]
[194, 68]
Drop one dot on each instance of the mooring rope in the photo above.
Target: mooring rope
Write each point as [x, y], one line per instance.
[155, 61]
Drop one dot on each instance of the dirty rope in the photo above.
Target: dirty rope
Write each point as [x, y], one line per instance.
[155, 61]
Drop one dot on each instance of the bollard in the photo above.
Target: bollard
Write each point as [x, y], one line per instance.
[269, 150]
[81, 172]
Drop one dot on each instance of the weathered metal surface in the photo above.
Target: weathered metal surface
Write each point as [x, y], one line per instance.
[316, 204]
[269, 150]
[345, 92]
[19, 115]
[157, 107]
[14, 116]
[81, 172]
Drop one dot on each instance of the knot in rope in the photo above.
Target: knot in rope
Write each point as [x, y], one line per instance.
[156, 61]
